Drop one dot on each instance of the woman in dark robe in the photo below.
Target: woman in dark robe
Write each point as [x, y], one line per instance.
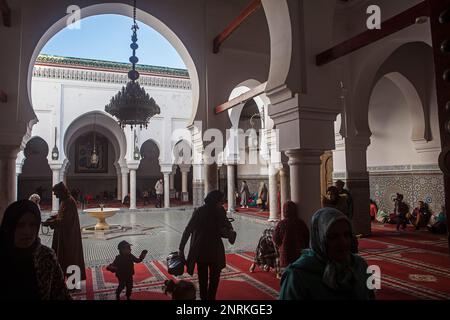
[67, 235]
[206, 249]
[291, 235]
[28, 269]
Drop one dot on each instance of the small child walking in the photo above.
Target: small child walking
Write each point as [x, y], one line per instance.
[123, 267]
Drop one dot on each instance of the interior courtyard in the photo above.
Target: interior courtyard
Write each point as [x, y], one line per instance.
[289, 96]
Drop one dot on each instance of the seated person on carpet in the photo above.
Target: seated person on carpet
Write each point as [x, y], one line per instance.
[420, 215]
[123, 267]
[438, 223]
[181, 290]
[373, 210]
[328, 270]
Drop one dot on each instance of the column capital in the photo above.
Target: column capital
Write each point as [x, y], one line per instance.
[184, 168]
[56, 165]
[134, 164]
[166, 168]
[304, 156]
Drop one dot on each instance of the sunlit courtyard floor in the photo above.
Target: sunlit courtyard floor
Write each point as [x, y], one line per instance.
[156, 230]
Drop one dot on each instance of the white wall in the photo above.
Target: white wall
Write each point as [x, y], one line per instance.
[391, 125]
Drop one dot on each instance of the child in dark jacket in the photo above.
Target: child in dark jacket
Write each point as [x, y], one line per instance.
[123, 267]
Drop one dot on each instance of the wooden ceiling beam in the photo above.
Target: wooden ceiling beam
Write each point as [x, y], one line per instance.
[241, 98]
[248, 11]
[6, 13]
[388, 27]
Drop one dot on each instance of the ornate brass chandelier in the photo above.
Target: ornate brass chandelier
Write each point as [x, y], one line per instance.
[132, 105]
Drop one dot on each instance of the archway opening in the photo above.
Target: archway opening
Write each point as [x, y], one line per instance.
[149, 171]
[36, 174]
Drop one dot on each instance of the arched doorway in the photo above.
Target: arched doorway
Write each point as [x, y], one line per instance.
[36, 174]
[97, 181]
[149, 171]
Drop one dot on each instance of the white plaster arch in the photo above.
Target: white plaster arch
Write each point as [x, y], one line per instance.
[143, 17]
[414, 102]
[365, 74]
[280, 30]
[182, 146]
[262, 102]
[105, 125]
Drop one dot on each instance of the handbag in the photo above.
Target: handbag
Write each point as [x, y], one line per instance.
[229, 233]
[175, 264]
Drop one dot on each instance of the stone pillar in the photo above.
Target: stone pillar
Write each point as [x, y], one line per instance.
[119, 185]
[184, 182]
[273, 191]
[172, 180]
[211, 176]
[198, 185]
[56, 178]
[7, 177]
[231, 189]
[284, 188]
[304, 168]
[166, 189]
[124, 182]
[133, 189]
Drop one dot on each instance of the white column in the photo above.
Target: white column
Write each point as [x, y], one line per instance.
[7, 177]
[231, 188]
[172, 180]
[211, 182]
[15, 188]
[56, 178]
[166, 189]
[304, 166]
[119, 185]
[133, 189]
[273, 191]
[124, 183]
[284, 188]
[184, 182]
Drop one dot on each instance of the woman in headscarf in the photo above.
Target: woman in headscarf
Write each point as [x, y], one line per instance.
[291, 235]
[28, 269]
[328, 270]
[206, 248]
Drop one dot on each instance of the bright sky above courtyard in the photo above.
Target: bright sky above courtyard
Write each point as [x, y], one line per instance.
[108, 37]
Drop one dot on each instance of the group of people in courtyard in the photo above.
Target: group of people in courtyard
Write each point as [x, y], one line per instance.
[317, 262]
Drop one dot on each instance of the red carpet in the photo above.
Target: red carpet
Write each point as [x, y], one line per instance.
[236, 282]
[414, 265]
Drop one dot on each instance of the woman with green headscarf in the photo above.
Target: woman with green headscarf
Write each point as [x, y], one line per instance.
[328, 270]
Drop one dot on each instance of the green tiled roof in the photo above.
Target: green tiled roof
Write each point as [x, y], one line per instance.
[111, 65]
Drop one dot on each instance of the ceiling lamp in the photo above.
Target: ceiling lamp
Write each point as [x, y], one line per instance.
[132, 105]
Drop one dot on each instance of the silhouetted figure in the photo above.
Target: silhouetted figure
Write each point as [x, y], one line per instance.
[123, 267]
[159, 189]
[344, 193]
[263, 196]
[67, 235]
[291, 235]
[401, 209]
[28, 269]
[334, 200]
[328, 270]
[206, 247]
[245, 194]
